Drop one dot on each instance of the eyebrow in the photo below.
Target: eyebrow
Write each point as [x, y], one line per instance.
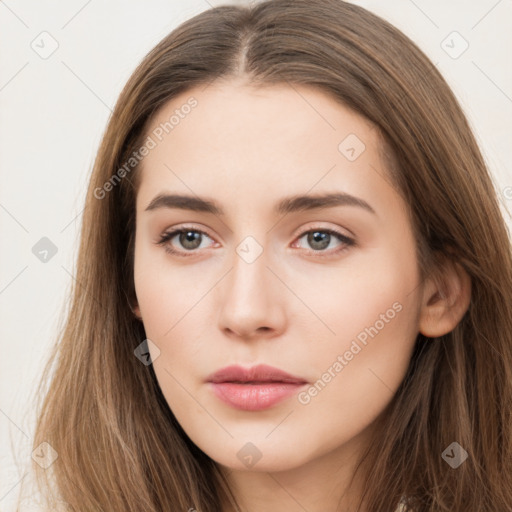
[287, 205]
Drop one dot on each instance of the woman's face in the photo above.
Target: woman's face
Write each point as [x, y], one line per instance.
[270, 271]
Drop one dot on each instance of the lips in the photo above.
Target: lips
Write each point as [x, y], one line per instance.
[253, 389]
[256, 374]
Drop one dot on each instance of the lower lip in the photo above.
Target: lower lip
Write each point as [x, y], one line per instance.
[254, 397]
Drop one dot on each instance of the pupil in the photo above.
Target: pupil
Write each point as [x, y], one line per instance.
[190, 237]
[320, 238]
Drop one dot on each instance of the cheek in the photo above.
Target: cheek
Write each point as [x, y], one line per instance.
[169, 303]
[373, 312]
[356, 380]
[353, 296]
[165, 292]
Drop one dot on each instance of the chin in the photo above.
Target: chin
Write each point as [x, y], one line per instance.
[257, 456]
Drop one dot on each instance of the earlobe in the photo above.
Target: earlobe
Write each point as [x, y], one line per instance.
[446, 299]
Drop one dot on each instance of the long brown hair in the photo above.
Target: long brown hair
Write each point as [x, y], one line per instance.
[119, 446]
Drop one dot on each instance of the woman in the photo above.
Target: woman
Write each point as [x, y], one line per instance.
[295, 285]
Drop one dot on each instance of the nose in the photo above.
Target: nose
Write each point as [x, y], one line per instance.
[252, 300]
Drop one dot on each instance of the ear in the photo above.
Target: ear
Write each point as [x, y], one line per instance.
[136, 311]
[134, 306]
[446, 298]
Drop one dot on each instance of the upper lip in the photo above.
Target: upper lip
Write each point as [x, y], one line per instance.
[260, 373]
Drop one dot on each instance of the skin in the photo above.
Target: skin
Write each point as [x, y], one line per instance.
[247, 149]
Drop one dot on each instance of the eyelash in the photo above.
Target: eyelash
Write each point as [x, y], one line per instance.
[166, 237]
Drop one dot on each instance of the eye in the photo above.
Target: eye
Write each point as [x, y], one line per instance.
[189, 238]
[320, 239]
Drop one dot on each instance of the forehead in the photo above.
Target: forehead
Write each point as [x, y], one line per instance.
[233, 137]
[233, 111]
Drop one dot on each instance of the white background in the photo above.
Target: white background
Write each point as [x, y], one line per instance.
[53, 113]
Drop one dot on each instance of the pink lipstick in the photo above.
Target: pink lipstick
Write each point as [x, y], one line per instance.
[255, 388]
